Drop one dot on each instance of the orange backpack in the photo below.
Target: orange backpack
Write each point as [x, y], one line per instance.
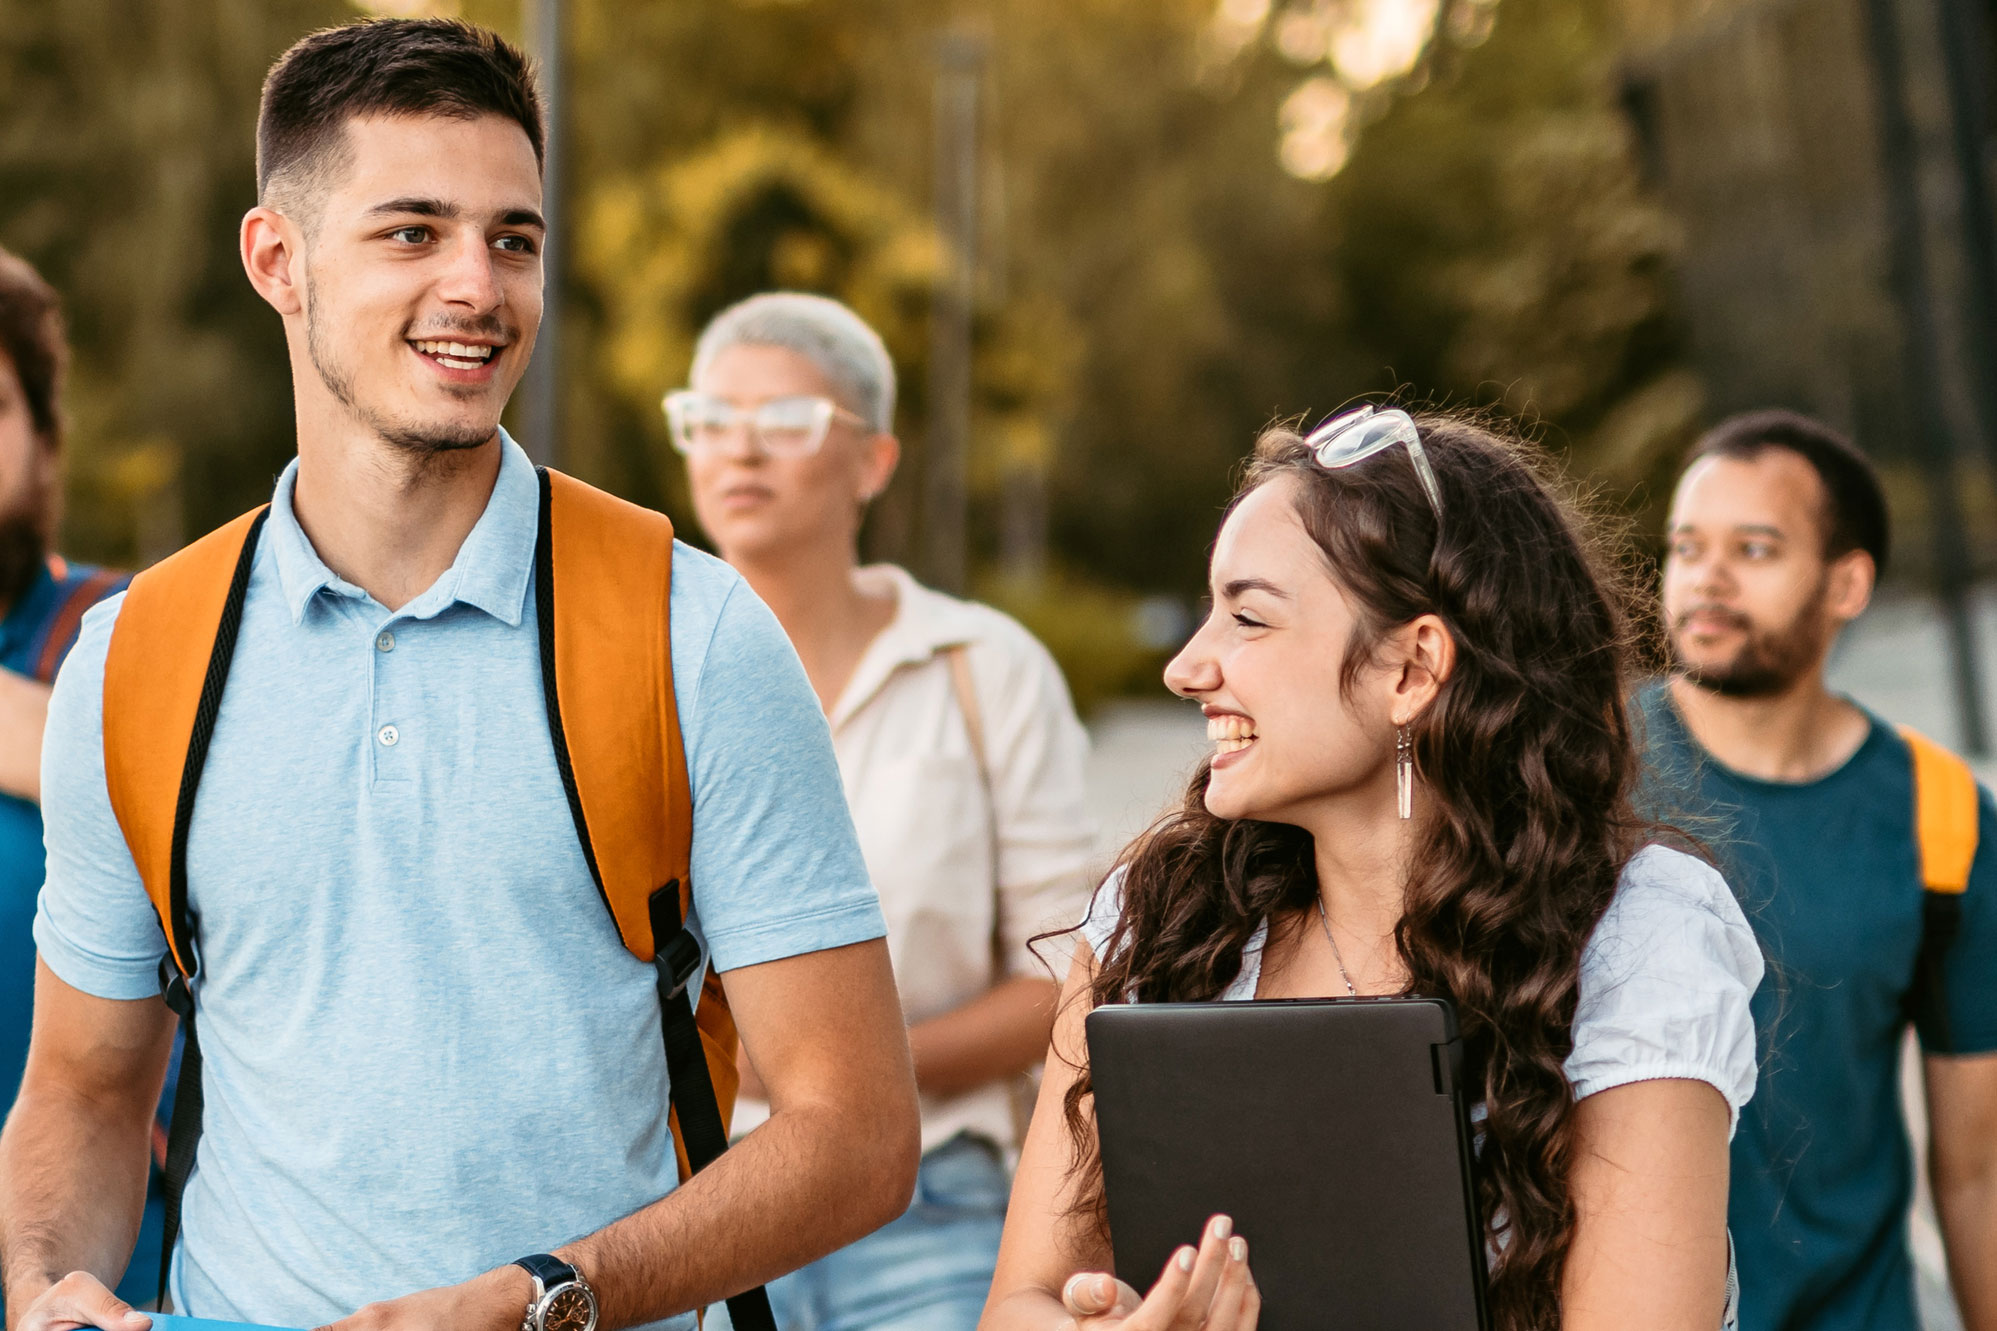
[1945, 829]
[603, 570]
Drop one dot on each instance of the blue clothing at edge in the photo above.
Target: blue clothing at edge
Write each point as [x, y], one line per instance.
[1828, 871]
[426, 1051]
[35, 636]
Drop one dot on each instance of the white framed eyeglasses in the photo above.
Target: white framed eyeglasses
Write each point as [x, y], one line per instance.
[1358, 435]
[782, 427]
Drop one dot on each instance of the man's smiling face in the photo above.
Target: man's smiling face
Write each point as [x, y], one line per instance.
[423, 275]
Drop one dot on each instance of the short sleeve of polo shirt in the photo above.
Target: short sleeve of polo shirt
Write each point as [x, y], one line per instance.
[94, 925]
[1971, 1026]
[777, 869]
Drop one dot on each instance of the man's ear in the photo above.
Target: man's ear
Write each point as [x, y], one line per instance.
[1848, 585]
[274, 257]
[1428, 655]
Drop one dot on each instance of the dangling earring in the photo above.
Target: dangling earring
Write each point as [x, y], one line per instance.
[1404, 773]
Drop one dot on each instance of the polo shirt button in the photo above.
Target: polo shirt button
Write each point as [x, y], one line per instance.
[388, 735]
[385, 642]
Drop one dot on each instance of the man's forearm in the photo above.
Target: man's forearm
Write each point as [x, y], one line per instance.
[1967, 1210]
[811, 1179]
[24, 715]
[72, 1192]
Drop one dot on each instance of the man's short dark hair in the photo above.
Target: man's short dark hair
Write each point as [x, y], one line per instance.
[31, 337]
[387, 67]
[1854, 504]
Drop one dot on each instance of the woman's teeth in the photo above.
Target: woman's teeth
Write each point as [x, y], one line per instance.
[1230, 734]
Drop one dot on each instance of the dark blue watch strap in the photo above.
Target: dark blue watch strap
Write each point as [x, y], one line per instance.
[548, 1269]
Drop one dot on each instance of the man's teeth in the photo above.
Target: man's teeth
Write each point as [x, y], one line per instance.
[457, 355]
[1230, 733]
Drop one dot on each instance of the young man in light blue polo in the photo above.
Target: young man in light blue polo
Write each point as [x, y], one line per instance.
[426, 1051]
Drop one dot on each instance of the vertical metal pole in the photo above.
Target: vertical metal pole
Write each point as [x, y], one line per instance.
[1920, 343]
[960, 63]
[540, 418]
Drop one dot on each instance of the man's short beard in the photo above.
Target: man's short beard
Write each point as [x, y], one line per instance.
[422, 442]
[24, 551]
[1768, 663]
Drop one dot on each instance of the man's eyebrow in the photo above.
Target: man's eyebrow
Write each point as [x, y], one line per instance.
[419, 207]
[1760, 529]
[523, 217]
[1233, 590]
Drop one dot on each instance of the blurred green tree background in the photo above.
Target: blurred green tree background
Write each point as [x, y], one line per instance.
[1196, 217]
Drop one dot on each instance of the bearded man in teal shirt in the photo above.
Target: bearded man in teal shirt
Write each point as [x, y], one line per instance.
[1778, 533]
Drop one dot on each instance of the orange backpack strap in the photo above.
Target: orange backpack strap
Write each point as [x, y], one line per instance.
[163, 674]
[1945, 829]
[1945, 820]
[603, 580]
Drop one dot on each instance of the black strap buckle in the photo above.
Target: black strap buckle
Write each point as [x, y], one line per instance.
[173, 988]
[678, 960]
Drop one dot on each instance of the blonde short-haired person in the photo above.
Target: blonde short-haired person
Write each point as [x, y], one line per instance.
[962, 760]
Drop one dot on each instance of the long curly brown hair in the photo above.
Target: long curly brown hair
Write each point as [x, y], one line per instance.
[1527, 766]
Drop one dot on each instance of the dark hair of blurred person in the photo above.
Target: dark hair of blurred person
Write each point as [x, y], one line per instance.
[1423, 782]
[34, 358]
[1776, 537]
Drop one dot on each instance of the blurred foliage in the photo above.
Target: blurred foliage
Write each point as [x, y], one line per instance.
[1153, 286]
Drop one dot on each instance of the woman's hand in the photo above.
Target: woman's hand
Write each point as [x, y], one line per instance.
[1207, 1290]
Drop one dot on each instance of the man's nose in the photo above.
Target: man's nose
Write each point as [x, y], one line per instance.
[471, 280]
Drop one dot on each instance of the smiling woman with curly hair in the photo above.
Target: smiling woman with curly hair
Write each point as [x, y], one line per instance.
[1415, 674]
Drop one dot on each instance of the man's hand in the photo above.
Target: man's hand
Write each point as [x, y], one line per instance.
[79, 1299]
[495, 1301]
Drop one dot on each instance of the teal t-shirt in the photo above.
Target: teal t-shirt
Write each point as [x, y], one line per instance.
[1829, 874]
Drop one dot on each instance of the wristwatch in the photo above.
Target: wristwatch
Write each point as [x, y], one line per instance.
[563, 1300]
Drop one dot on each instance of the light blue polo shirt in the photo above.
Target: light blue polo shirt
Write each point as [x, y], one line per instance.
[427, 1053]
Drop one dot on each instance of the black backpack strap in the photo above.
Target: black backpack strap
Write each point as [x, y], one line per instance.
[692, 1090]
[676, 952]
[1941, 918]
[183, 1132]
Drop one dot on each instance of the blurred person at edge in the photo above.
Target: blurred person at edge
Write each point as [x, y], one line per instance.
[961, 757]
[42, 600]
[426, 1049]
[1777, 535]
[1422, 781]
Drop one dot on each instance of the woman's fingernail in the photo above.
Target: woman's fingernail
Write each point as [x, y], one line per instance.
[1221, 1227]
[1238, 1249]
[1185, 1259]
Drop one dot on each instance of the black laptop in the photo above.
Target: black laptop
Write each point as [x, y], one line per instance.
[1333, 1131]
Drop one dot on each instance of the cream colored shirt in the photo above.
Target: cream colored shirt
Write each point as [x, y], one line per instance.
[966, 876]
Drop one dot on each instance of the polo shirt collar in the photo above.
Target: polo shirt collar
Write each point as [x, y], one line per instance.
[490, 573]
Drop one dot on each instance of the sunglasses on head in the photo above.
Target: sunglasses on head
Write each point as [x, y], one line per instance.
[1358, 435]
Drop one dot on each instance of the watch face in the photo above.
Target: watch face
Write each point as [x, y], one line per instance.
[571, 1309]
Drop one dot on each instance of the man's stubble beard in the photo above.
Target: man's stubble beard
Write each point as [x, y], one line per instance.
[1768, 663]
[425, 443]
[24, 549]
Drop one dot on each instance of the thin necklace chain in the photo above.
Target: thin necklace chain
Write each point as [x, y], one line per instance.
[1336, 955]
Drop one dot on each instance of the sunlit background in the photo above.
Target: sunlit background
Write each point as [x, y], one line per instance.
[1107, 241]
